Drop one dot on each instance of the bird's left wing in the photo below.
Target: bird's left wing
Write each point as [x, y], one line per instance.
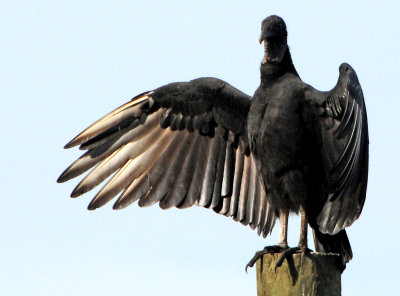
[344, 137]
[181, 144]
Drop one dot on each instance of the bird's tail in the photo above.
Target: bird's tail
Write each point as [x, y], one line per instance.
[337, 243]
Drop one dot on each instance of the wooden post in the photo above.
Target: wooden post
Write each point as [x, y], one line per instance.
[313, 274]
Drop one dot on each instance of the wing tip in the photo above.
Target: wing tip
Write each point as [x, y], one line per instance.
[117, 206]
[78, 191]
[75, 194]
[66, 175]
[122, 202]
[96, 203]
[91, 207]
[76, 140]
[70, 144]
[62, 178]
[85, 135]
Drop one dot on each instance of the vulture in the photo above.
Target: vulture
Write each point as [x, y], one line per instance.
[289, 148]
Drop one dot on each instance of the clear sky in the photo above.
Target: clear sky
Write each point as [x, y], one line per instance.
[64, 64]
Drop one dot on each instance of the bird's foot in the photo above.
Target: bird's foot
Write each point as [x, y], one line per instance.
[266, 250]
[288, 252]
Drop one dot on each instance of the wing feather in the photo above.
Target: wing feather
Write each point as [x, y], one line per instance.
[345, 153]
[96, 155]
[257, 204]
[244, 190]
[130, 109]
[170, 167]
[142, 149]
[181, 185]
[237, 182]
[251, 195]
[229, 170]
[180, 145]
[199, 173]
[133, 168]
[219, 175]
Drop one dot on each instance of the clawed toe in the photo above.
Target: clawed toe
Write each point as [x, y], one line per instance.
[277, 249]
[266, 250]
[288, 252]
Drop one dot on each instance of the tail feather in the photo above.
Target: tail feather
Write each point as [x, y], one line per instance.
[337, 243]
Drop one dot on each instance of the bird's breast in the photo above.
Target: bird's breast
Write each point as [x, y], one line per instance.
[278, 143]
[277, 131]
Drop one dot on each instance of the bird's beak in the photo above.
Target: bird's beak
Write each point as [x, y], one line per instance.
[260, 38]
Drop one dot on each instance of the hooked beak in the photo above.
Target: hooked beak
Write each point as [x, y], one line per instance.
[268, 35]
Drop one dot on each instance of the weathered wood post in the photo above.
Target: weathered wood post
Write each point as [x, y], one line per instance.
[314, 274]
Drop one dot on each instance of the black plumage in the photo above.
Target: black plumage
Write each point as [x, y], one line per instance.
[290, 148]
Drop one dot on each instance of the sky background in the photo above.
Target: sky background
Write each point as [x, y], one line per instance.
[64, 64]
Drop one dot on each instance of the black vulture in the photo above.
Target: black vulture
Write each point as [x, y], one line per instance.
[289, 148]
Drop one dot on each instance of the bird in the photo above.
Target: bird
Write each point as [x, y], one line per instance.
[289, 148]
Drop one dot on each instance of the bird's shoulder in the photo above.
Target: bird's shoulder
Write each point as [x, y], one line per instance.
[283, 86]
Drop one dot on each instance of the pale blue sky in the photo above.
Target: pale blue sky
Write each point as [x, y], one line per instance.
[64, 64]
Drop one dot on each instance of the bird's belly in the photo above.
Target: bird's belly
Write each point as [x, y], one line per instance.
[282, 162]
[281, 138]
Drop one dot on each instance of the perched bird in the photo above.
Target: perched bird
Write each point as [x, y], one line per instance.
[289, 148]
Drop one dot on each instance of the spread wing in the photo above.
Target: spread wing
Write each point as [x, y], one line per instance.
[345, 153]
[179, 145]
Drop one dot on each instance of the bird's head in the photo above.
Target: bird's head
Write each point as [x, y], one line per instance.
[274, 36]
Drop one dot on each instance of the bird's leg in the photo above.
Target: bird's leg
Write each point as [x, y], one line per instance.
[303, 230]
[303, 246]
[282, 245]
[284, 218]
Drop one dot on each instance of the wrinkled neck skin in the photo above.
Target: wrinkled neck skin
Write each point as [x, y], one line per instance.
[270, 68]
[274, 50]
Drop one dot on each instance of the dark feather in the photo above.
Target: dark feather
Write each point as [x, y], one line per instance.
[169, 164]
[244, 191]
[250, 195]
[209, 177]
[237, 182]
[219, 174]
[131, 109]
[181, 185]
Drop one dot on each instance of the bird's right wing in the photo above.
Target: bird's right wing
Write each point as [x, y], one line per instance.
[181, 144]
